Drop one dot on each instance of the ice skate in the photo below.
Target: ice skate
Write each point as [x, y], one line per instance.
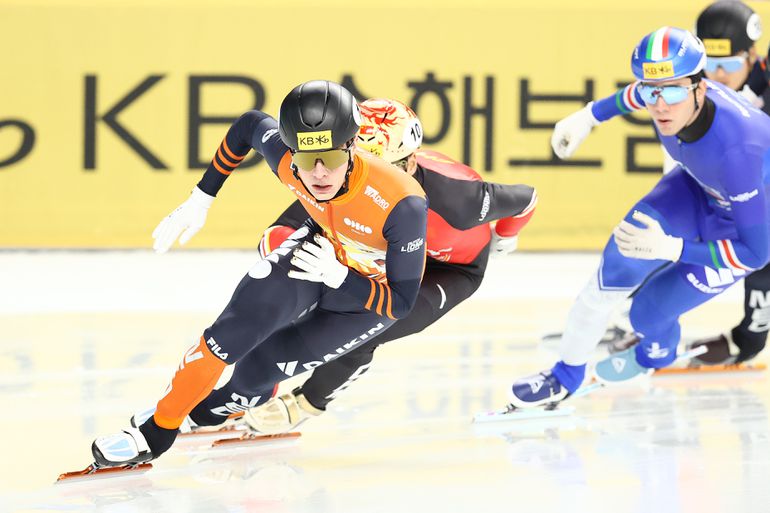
[720, 350]
[189, 430]
[535, 396]
[281, 414]
[542, 389]
[116, 454]
[620, 367]
[125, 448]
[712, 355]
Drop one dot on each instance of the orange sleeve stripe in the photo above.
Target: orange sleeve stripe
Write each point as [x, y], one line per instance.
[230, 153]
[225, 160]
[223, 171]
[388, 311]
[371, 296]
[382, 297]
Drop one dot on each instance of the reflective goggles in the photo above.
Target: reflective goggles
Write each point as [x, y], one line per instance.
[331, 159]
[728, 64]
[671, 94]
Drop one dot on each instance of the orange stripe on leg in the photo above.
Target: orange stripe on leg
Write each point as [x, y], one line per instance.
[388, 310]
[382, 297]
[371, 296]
[195, 379]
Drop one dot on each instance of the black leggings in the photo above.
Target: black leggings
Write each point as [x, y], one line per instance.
[276, 326]
[751, 334]
[443, 287]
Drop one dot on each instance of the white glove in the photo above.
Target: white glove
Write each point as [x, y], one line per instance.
[751, 97]
[650, 243]
[501, 246]
[570, 131]
[319, 263]
[190, 216]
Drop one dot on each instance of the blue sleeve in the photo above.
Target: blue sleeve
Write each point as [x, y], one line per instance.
[623, 102]
[742, 179]
[405, 231]
[254, 129]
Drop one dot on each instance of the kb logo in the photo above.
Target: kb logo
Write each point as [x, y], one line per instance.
[314, 140]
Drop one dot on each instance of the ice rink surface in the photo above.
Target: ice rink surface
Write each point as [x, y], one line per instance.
[90, 337]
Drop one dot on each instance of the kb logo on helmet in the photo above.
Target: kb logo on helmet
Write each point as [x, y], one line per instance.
[658, 70]
[314, 140]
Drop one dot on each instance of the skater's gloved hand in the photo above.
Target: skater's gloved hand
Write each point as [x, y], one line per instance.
[572, 130]
[319, 263]
[752, 97]
[501, 246]
[649, 243]
[189, 217]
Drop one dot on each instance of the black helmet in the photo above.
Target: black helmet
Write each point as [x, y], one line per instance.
[728, 27]
[318, 115]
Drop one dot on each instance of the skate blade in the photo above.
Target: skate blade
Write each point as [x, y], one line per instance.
[711, 369]
[227, 431]
[249, 439]
[511, 414]
[92, 473]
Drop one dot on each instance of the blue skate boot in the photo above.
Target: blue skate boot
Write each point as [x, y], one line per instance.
[542, 389]
[619, 368]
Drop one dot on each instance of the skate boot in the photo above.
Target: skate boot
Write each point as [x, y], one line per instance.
[127, 448]
[619, 368]
[542, 389]
[721, 350]
[142, 416]
[281, 414]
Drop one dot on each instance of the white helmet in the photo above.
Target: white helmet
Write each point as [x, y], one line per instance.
[389, 129]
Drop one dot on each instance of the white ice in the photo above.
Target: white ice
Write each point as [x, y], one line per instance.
[90, 337]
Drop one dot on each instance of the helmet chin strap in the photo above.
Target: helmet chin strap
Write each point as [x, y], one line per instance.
[346, 183]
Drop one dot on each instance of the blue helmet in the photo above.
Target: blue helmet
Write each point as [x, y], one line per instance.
[668, 53]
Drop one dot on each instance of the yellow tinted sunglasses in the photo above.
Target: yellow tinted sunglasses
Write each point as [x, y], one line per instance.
[331, 159]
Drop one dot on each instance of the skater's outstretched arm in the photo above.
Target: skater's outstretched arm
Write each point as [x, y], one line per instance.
[254, 129]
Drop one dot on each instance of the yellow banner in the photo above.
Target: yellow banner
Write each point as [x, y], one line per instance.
[110, 110]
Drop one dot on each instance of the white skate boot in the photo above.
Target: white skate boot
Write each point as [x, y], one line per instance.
[281, 414]
[125, 448]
